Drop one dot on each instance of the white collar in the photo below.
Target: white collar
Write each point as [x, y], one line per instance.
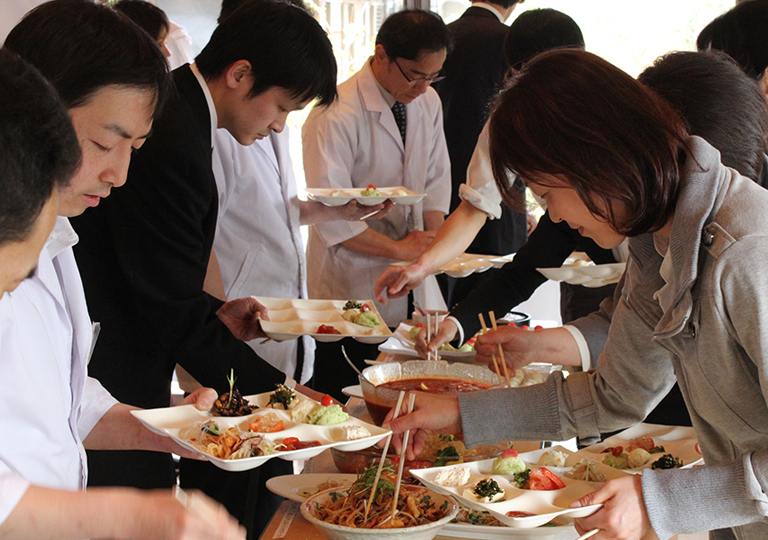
[389, 98]
[208, 99]
[489, 8]
[62, 237]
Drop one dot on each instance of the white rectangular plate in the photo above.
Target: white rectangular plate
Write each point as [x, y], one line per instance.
[468, 263]
[339, 196]
[401, 343]
[169, 421]
[291, 318]
[547, 505]
[677, 440]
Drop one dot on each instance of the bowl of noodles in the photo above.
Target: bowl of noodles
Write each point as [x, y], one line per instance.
[339, 513]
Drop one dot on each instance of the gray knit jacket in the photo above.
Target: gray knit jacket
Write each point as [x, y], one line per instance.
[713, 339]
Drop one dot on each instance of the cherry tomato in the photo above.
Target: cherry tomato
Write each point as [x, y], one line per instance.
[509, 452]
[364, 308]
[326, 401]
[617, 450]
[371, 186]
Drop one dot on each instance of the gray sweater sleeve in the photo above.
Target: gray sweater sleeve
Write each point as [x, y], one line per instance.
[595, 326]
[677, 504]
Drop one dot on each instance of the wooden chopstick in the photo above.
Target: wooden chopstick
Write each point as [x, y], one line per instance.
[501, 351]
[429, 337]
[411, 400]
[493, 356]
[383, 457]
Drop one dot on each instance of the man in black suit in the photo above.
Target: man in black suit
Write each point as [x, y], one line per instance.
[144, 252]
[474, 72]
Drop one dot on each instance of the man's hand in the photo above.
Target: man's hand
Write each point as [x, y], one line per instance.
[432, 413]
[398, 281]
[242, 317]
[414, 244]
[202, 398]
[623, 515]
[352, 211]
[446, 332]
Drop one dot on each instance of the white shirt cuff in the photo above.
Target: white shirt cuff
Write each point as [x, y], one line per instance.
[586, 358]
[458, 325]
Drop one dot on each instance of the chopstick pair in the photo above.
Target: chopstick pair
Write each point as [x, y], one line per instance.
[496, 368]
[411, 400]
[430, 354]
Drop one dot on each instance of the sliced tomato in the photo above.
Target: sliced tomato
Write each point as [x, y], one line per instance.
[542, 479]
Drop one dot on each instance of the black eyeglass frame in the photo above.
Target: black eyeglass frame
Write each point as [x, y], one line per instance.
[428, 80]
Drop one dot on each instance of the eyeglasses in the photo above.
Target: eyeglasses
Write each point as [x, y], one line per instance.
[429, 80]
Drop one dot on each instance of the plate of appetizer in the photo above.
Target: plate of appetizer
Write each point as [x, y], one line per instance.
[324, 320]
[368, 196]
[402, 342]
[522, 490]
[647, 446]
[241, 433]
[467, 264]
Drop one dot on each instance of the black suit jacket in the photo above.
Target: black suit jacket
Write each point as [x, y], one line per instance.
[474, 74]
[143, 255]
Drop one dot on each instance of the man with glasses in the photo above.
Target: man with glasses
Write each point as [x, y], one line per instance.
[386, 129]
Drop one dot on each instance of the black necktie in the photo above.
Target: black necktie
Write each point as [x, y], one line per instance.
[398, 109]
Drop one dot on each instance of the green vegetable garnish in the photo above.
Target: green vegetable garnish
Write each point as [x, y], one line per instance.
[231, 380]
[283, 396]
[211, 429]
[487, 488]
[351, 304]
[521, 478]
[446, 455]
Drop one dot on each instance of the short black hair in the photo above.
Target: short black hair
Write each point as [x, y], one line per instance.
[740, 33]
[411, 33]
[38, 146]
[149, 17]
[285, 46]
[538, 30]
[717, 101]
[229, 6]
[81, 47]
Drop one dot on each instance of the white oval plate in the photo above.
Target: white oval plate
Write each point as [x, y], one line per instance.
[340, 196]
[595, 275]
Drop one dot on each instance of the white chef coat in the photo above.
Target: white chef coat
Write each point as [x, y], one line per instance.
[356, 142]
[258, 239]
[49, 403]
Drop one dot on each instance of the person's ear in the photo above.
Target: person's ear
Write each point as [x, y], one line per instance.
[237, 74]
[380, 54]
[763, 82]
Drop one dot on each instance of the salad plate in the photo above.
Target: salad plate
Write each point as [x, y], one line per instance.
[173, 421]
[292, 318]
[401, 342]
[680, 441]
[542, 506]
[340, 196]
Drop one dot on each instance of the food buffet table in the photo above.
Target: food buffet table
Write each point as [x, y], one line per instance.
[289, 523]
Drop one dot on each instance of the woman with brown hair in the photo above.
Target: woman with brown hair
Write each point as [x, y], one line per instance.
[613, 160]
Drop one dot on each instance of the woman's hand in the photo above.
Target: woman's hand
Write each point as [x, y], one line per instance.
[431, 414]
[623, 515]
[522, 346]
[352, 211]
[397, 281]
[446, 331]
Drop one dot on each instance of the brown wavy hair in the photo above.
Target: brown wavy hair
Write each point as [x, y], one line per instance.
[572, 115]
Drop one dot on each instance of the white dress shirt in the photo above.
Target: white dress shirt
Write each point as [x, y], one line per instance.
[49, 403]
[356, 142]
[258, 240]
